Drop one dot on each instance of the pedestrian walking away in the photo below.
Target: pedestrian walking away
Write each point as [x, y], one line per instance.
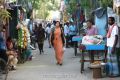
[66, 33]
[40, 38]
[33, 36]
[48, 31]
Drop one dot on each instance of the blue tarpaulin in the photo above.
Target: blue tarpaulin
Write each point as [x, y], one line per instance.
[101, 21]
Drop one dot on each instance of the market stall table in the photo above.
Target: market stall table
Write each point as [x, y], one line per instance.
[100, 47]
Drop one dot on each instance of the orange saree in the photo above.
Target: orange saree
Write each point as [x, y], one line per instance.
[58, 45]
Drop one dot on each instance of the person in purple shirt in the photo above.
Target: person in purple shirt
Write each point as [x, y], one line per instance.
[91, 29]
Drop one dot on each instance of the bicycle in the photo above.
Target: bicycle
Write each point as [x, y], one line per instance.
[4, 69]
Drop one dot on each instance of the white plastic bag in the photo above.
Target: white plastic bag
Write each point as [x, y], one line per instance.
[89, 40]
[64, 49]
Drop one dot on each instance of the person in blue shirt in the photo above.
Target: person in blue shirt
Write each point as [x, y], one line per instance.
[72, 32]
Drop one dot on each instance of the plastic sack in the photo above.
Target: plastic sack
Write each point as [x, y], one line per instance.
[89, 40]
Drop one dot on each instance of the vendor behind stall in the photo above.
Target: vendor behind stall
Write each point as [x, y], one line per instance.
[91, 31]
[91, 28]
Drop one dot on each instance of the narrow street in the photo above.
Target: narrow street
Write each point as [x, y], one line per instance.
[95, 24]
[43, 67]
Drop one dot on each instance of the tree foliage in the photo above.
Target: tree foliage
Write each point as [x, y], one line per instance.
[86, 4]
[71, 6]
[106, 3]
[35, 3]
[45, 6]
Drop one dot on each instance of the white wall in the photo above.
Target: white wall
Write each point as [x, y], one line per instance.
[118, 20]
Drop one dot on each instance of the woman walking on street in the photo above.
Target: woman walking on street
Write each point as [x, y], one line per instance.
[40, 37]
[57, 41]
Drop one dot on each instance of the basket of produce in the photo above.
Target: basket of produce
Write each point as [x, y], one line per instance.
[96, 64]
[96, 67]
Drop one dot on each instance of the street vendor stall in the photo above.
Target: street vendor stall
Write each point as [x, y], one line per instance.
[101, 24]
[98, 45]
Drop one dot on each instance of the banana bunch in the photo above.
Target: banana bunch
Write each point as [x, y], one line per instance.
[4, 14]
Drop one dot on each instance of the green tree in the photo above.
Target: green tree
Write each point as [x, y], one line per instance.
[35, 3]
[45, 7]
[106, 3]
[71, 6]
[87, 5]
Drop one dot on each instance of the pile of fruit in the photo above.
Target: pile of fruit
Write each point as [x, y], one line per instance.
[96, 63]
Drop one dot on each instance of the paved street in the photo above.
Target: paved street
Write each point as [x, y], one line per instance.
[43, 67]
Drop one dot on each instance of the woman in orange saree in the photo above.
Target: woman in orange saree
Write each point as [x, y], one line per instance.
[58, 40]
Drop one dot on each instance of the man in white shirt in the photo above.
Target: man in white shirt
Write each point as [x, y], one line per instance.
[113, 46]
[48, 31]
[66, 32]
